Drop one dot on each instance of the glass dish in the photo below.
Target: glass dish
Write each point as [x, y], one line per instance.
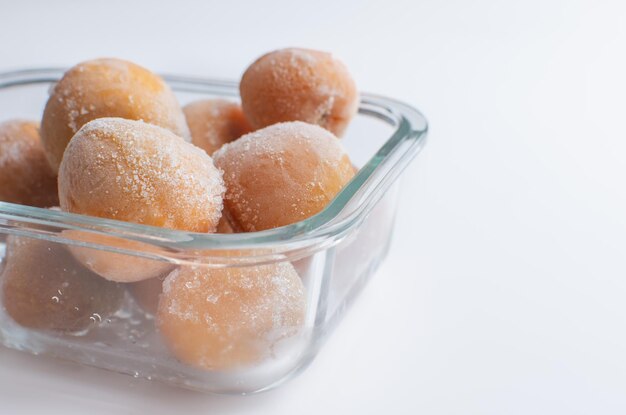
[334, 252]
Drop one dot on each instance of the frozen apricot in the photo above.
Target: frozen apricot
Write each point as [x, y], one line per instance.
[225, 318]
[43, 287]
[137, 172]
[106, 88]
[141, 173]
[215, 122]
[281, 174]
[299, 85]
[25, 176]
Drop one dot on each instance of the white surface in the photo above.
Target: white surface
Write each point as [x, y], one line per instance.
[504, 290]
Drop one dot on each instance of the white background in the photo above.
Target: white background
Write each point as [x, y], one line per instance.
[504, 292]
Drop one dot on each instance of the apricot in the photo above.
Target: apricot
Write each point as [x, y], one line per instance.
[106, 88]
[44, 287]
[299, 85]
[215, 122]
[281, 174]
[25, 176]
[136, 172]
[225, 318]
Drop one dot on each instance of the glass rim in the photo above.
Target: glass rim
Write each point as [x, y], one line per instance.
[318, 231]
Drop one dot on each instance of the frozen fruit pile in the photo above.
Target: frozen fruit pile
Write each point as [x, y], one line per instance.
[115, 143]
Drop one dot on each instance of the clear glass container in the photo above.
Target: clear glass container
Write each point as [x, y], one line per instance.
[334, 253]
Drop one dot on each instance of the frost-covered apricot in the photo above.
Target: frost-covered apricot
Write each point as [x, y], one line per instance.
[141, 173]
[137, 172]
[44, 287]
[215, 122]
[25, 175]
[281, 174]
[225, 318]
[299, 85]
[106, 88]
